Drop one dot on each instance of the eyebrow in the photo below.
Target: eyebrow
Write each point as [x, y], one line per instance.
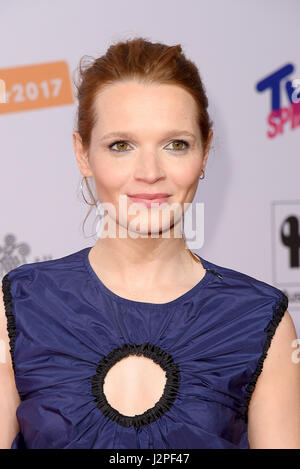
[170, 134]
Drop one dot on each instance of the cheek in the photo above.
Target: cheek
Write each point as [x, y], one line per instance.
[186, 176]
[108, 179]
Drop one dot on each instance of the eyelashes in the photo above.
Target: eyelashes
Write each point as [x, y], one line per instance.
[187, 145]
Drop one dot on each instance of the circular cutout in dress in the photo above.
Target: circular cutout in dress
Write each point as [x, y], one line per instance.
[160, 399]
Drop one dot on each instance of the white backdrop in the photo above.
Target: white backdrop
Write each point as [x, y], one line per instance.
[251, 189]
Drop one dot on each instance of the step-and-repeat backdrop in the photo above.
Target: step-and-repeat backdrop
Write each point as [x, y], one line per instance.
[248, 57]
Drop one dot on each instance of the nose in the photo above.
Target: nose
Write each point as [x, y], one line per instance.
[148, 167]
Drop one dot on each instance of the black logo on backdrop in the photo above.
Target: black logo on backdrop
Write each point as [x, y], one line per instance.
[291, 240]
[286, 249]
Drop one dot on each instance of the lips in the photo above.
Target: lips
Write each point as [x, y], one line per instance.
[149, 196]
[149, 199]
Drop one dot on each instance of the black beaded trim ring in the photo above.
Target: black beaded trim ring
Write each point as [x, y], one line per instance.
[165, 402]
[270, 329]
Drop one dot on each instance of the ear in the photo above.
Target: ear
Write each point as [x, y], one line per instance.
[81, 155]
[205, 156]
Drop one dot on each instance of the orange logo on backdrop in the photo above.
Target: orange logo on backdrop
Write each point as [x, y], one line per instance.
[35, 87]
[2, 91]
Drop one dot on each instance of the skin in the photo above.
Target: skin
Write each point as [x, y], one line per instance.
[160, 268]
[134, 384]
[274, 409]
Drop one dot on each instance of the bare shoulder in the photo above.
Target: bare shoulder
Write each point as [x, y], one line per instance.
[282, 346]
[9, 397]
[274, 408]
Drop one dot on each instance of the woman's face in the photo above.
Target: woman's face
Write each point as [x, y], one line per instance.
[150, 152]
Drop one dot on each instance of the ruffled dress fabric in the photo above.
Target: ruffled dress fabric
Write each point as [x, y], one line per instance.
[66, 329]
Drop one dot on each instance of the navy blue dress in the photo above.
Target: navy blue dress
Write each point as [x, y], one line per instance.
[66, 329]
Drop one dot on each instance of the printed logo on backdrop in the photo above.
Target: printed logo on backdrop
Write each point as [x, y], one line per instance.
[2, 91]
[284, 100]
[37, 86]
[286, 249]
[13, 254]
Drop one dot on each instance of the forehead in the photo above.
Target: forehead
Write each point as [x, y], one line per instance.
[132, 104]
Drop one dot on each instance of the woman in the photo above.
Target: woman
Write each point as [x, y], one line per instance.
[136, 342]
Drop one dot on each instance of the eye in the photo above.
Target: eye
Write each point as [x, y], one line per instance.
[178, 145]
[120, 143]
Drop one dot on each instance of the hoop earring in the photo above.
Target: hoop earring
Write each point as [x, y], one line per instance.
[81, 187]
[203, 175]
